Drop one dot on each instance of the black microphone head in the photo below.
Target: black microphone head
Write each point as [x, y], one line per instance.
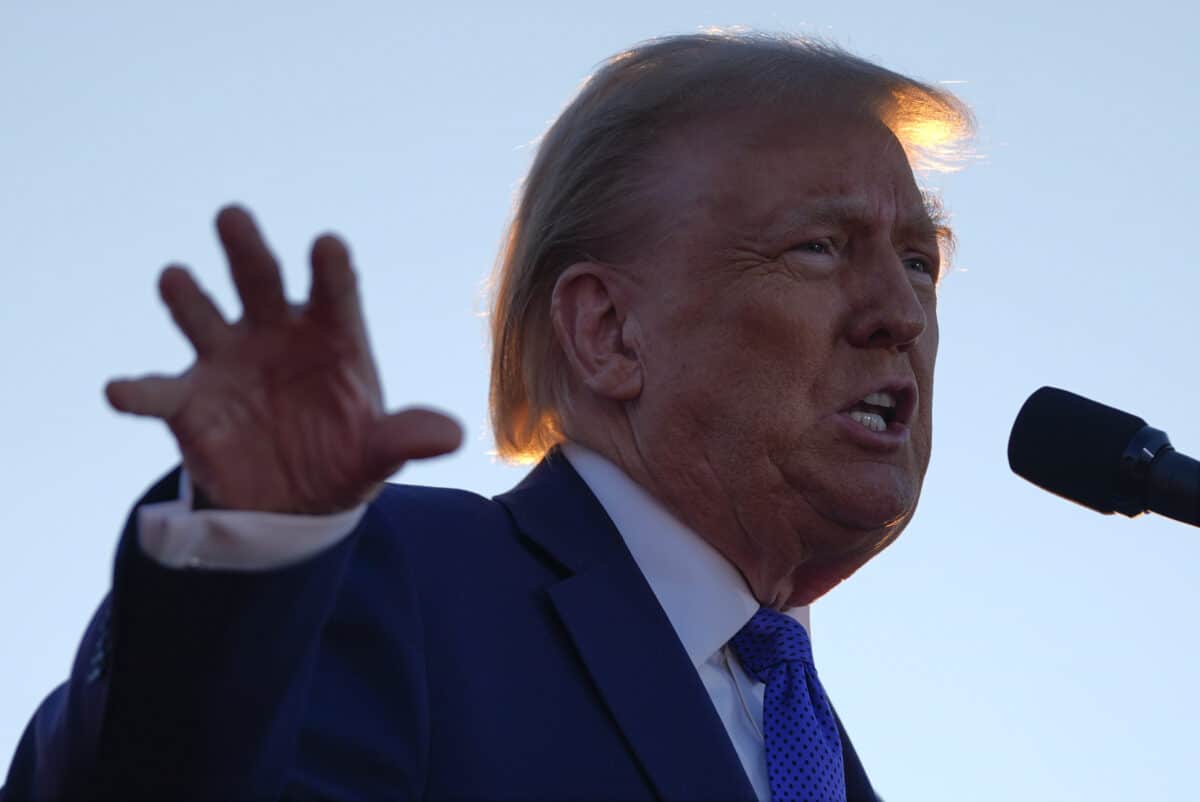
[1072, 446]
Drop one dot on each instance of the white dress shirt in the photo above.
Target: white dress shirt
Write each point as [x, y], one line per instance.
[704, 597]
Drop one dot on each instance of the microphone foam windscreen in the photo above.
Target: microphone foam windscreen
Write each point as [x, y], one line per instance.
[1072, 446]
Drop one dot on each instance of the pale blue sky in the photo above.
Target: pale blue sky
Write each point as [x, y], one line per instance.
[1009, 642]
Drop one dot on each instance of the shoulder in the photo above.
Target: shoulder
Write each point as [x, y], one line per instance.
[415, 506]
[430, 557]
[435, 526]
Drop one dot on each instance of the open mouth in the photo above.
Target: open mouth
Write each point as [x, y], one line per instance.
[879, 409]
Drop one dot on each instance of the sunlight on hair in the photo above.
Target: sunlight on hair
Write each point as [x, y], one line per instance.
[529, 456]
[534, 440]
[934, 133]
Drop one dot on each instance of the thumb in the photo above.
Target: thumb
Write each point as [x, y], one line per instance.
[414, 433]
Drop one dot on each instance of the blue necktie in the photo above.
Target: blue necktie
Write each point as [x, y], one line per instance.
[804, 750]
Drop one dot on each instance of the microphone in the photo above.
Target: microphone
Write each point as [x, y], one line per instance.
[1103, 458]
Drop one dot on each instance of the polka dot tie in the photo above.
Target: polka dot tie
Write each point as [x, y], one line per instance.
[804, 751]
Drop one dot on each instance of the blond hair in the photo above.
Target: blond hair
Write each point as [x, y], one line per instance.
[585, 197]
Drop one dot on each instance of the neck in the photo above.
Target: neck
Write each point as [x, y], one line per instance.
[690, 489]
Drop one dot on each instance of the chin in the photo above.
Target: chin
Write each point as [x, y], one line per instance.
[837, 532]
[867, 506]
[869, 515]
[857, 494]
[834, 561]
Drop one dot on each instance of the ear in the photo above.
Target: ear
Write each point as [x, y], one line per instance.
[591, 322]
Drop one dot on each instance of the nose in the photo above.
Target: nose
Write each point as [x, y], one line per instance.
[886, 309]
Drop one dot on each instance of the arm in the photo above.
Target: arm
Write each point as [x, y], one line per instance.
[187, 684]
[192, 683]
[209, 674]
[179, 534]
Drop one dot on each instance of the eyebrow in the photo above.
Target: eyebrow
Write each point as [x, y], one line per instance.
[930, 222]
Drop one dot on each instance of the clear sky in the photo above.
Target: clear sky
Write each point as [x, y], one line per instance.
[1009, 642]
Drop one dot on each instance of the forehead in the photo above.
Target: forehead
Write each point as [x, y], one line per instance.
[772, 170]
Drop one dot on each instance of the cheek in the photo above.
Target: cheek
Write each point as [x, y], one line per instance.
[750, 363]
[779, 328]
[772, 355]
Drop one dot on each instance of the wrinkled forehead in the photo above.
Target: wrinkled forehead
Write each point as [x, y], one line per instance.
[750, 168]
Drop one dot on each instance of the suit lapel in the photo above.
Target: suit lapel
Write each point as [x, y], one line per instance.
[625, 640]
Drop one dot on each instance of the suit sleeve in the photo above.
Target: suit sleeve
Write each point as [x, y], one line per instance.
[187, 684]
[176, 534]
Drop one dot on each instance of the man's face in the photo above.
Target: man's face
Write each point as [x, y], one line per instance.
[788, 316]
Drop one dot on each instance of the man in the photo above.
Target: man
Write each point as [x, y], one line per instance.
[715, 324]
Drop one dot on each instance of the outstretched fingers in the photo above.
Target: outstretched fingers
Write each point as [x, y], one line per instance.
[154, 396]
[414, 433]
[334, 295]
[255, 271]
[193, 311]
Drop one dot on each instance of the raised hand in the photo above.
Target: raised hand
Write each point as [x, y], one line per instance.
[281, 411]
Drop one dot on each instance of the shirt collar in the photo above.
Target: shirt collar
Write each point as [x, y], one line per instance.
[705, 597]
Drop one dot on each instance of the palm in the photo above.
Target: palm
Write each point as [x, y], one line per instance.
[280, 420]
[282, 411]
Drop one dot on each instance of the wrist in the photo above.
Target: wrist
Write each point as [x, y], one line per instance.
[201, 501]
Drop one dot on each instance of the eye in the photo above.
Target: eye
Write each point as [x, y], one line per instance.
[821, 246]
[920, 264]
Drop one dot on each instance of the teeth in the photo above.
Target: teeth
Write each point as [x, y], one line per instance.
[880, 400]
[871, 420]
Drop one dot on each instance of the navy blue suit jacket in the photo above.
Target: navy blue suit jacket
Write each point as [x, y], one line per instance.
[452, 647]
